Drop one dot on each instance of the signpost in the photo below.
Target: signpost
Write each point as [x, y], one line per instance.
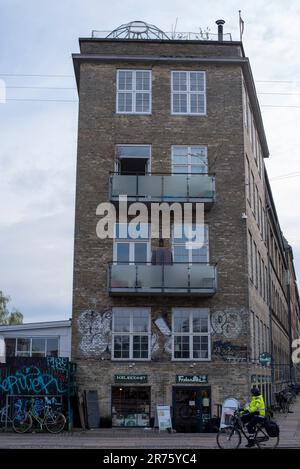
[163, 414]
[229, 406]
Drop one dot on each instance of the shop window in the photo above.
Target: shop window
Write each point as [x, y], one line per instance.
[130, 406]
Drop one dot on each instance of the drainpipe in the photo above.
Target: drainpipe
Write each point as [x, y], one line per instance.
[220, 29]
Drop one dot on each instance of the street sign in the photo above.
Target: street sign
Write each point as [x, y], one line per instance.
[265, 359]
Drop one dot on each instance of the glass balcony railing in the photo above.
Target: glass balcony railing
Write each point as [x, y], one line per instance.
[173, 279]
[163, 188]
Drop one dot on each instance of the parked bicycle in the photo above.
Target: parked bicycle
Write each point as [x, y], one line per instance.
[51, 419]
[230, 437]
[5, 415]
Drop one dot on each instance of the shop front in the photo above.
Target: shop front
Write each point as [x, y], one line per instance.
[130, 401]
[191, 404]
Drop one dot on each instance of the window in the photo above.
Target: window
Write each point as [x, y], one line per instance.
[131, 333]
[247, 182]
[189, 159]
[182, 252]
[245, 107]
[255, 266]
[252, 332]
[10, 347]
[259, 275]
[23, 347]
[134, 91]
[128, 250]
[253, 192]
[250, 256]
[256, 204]
[191, 334]
[31, 347]
[131, 406]
[133, 159]
[188, 93]
[38, 347]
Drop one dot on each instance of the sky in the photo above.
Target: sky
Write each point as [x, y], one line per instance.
[38, 124]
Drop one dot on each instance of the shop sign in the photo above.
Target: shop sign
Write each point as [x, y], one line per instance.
[191, 379]
[136, 379]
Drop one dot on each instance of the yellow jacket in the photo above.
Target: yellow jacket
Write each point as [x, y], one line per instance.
[257, 404]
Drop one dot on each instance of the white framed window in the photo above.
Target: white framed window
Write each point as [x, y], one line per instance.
[133, 91]
[32, 346]
[191, 334]
[131, 333]
[189, 159]
[127, 250]
[188, 92]
[183, 251]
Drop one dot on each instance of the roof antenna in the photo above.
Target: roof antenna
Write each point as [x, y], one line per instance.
[174, 31]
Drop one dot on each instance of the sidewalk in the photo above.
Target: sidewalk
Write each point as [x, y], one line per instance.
[143, 439]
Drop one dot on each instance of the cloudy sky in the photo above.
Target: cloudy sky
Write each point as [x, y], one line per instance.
[38, 124]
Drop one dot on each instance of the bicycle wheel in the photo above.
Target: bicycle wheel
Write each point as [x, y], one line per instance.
[22, 422]
[55, 422]
[229, 438]
[264, 441]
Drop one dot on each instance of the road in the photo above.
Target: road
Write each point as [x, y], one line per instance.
[143, 439]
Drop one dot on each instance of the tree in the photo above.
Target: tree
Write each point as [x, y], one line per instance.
[6, 316]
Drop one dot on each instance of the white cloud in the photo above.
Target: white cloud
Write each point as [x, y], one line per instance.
[38, 140]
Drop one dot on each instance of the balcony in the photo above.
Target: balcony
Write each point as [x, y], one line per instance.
[179, 279]
[164, 188]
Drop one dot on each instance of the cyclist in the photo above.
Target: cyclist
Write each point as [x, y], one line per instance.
[254, 413]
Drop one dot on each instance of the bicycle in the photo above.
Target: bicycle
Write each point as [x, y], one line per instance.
[52, 420]
[230, 437]
[5, 417]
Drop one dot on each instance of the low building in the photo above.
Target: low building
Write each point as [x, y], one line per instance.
[37, 339]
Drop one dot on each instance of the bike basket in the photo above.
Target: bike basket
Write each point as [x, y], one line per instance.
[272, 429]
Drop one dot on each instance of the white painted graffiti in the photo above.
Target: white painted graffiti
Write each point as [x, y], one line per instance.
[95, 331]
[227, 323]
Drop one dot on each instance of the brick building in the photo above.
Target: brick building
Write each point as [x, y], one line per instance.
[173, 119]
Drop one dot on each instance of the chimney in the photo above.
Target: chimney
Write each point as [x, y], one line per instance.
[220, 29]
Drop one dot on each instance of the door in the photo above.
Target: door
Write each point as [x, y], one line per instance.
[191, 408]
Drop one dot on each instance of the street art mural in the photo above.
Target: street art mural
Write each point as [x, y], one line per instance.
[227, 323]
[41, 381]
[229, 352]
[94, 329]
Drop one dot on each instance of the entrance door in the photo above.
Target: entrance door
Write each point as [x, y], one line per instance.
[191, 408]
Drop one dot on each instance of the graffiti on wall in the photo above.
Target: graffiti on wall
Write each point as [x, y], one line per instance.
[227, 323]
[32, 380]
[95, 332]
[229, 352]
[163, 339]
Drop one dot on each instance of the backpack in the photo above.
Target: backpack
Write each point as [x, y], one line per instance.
[272, 428]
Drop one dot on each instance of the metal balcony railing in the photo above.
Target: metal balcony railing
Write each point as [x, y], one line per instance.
[167, 279]
[163, 187]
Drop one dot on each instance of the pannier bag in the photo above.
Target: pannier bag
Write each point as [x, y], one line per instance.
[272, 429]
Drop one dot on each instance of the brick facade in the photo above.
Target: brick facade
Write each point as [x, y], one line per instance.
[231, 371]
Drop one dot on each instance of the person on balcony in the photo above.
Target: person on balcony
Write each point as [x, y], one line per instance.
[161, 255]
